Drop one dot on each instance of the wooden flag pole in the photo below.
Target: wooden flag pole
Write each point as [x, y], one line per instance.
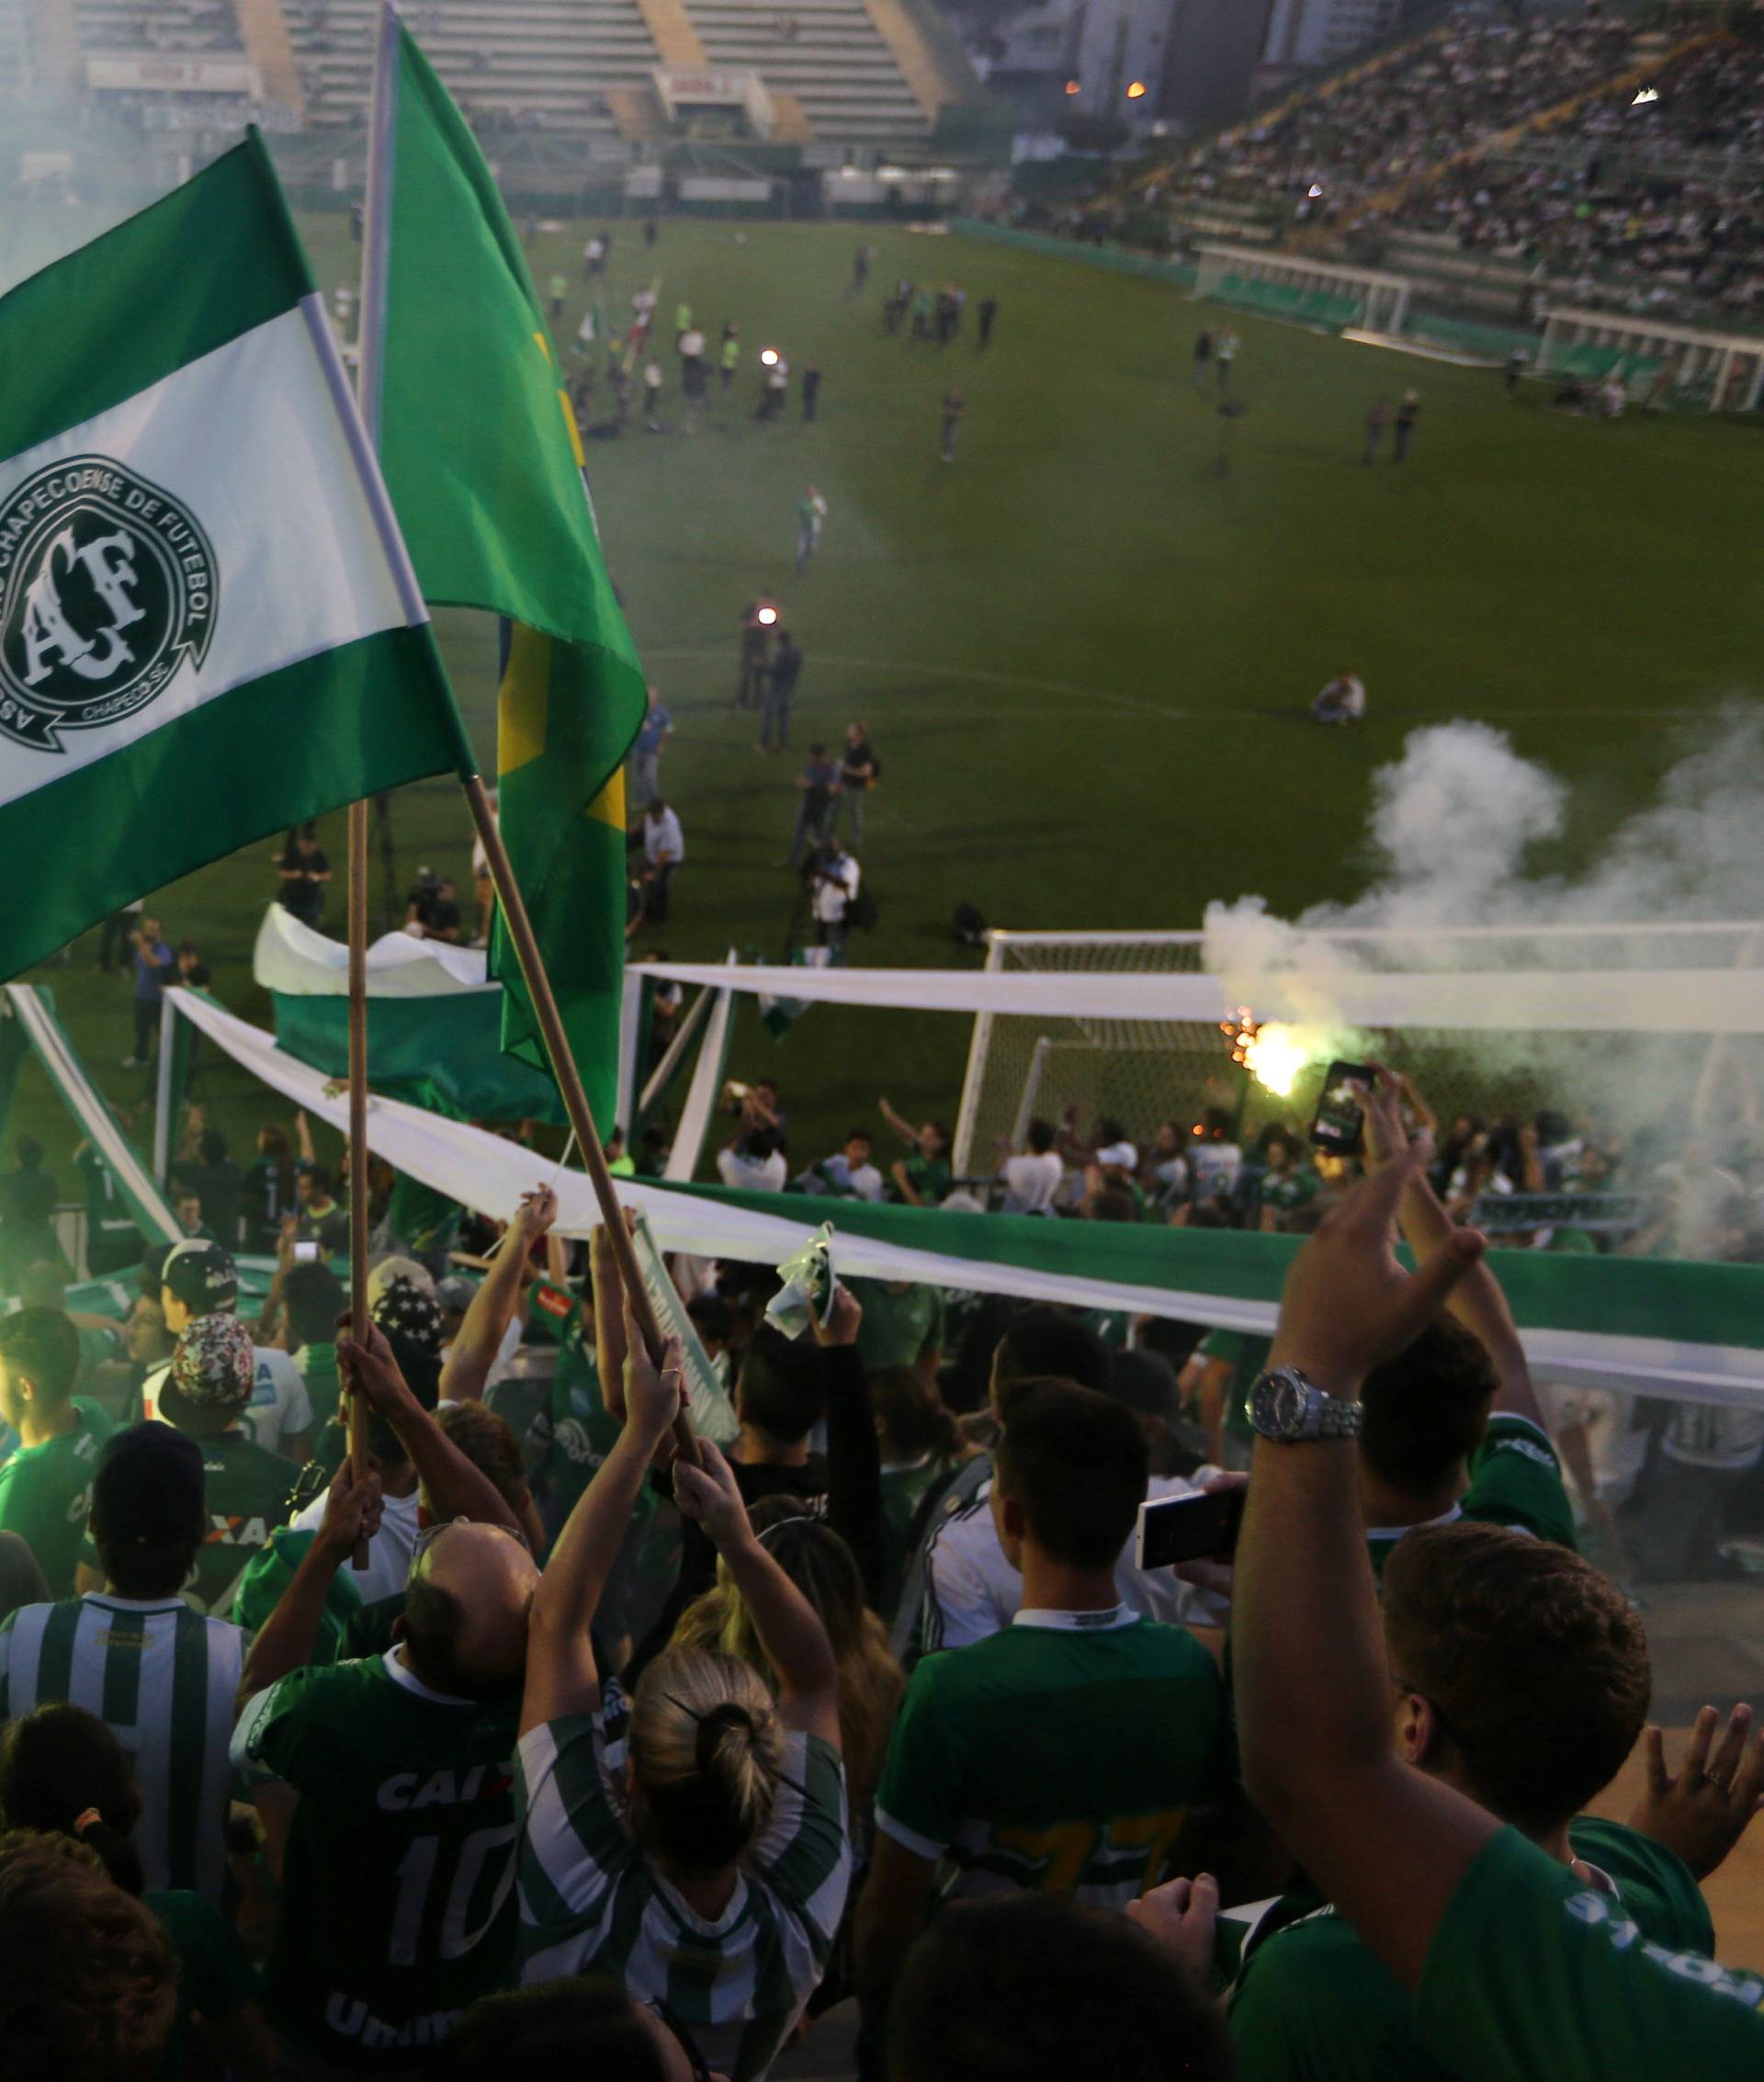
[575, 1100]
[358, 1213]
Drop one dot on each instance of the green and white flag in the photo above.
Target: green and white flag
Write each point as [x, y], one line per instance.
[209, 629]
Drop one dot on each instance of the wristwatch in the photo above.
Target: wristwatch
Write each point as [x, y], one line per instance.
[1284, 1405]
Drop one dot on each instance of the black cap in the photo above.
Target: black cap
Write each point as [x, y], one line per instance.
[148, 1490]
[201, 1275]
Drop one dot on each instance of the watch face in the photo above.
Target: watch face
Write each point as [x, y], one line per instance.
[1280, 1406]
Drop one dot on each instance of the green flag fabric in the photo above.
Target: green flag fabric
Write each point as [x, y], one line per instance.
[203, 633]
[480, 450]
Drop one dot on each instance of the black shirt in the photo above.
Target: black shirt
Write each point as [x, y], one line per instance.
[853, 761]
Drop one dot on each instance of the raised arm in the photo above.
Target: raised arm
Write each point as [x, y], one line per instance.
[791, 1636]
[853, 1449]
[900, 1127]
[288, 1637]
[453, 1487]
[560, 1673]
[1477, 1301]
[492, 1307]
[1387, 1845]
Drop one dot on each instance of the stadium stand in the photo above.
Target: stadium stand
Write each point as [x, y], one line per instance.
[846, 71]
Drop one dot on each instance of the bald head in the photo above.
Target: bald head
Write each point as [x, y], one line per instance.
[465, 1613]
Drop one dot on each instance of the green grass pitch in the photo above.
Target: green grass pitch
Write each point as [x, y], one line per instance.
[1083, 649]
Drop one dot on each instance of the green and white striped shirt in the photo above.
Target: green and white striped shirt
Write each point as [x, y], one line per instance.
[162, 1678]
[591, 1902]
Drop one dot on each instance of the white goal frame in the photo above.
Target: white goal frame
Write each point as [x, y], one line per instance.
[1382, 298]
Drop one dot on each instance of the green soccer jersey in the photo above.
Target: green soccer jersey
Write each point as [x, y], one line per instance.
[1514, 1479]
[215, 1977]
[46, 1492]
[1284, 1191]
[1533, 1977]
[269, 1572]
[398, 1907]
[1312, 2002]
[899, 1322]
[1062, 1754]
[1248, 1356]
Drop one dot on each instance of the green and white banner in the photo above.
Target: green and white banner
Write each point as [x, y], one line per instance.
[209, 628]
[1647, 1326]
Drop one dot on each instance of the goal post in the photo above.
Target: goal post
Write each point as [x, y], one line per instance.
[1143, 1072]
[1307, 291]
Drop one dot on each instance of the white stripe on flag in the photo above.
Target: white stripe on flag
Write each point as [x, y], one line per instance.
[248, 439]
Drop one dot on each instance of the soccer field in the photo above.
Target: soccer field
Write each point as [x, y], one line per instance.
[1083, 649]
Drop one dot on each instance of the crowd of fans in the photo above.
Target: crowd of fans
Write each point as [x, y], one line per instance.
[547, 1731]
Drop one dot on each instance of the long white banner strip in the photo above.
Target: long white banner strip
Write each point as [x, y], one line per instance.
[248, 441]
[485, 1172]
[1605, 1002]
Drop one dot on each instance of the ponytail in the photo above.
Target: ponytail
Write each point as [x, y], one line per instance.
[706, 1745]
[63, 1771]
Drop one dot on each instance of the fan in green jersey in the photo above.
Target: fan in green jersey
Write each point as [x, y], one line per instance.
[1064, 1754]
[397, 1909]
[46, 1487]
[1522, 1679]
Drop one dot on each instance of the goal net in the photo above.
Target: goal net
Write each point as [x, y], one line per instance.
[1143, 1072]
[1308, 292]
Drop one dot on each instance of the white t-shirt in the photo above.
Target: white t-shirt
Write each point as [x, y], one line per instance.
[1030, 1183]
[388, 1552]
[1215, 1166]
[279, 1407]
[972, 1591]
[754, 1173]
[662, 834]
[865, 1180]
[836, 889]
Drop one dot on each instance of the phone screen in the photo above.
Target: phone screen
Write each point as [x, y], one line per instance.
[306, 1250]
[1185, 1529]
[1339, 1127]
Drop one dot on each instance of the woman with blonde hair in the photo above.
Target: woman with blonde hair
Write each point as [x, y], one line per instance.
[711, 1874]
[825, 1570]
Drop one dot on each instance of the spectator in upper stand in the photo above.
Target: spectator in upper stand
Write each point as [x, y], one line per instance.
[1034, 1176]
[1215, 1157]
[46, 1487]
[1114, 1728]
[925, 1178]
[752, 1161]
[163, 1679]
[1521, 1678]
[848, 1172]
[1164, 1167]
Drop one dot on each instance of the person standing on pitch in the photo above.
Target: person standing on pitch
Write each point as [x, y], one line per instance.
[811, 510]
[988, 313]
[953, 404]
[1225, 353]
[780, 691]
[759, 621]
[810, 392]
[1407, 412]
[1203, 355]
[859, 770]
[1377, 419]
[729, 355]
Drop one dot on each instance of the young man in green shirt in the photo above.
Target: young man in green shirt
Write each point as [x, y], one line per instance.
[1287, 1184]
[46, 1487]
[245, 1486]
[1522, 1679]
[1065, 1753]
[1520, 1971]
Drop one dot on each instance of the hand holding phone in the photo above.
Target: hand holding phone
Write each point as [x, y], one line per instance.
[1338, 1127]
[305, 1250]
[1202, 1527]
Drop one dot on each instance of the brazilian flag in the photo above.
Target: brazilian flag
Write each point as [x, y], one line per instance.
[480, 452]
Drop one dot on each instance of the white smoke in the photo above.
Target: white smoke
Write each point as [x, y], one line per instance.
[1454, 830]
